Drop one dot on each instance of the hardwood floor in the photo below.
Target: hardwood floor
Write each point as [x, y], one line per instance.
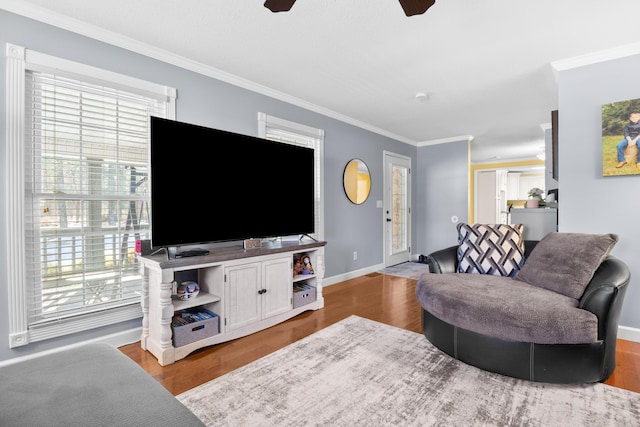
[386, 299]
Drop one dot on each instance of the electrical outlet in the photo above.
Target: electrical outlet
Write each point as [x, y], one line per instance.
[355, 255]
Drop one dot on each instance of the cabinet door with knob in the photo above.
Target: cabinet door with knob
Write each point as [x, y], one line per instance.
[243, 295]
[277, 283]
[256, 291]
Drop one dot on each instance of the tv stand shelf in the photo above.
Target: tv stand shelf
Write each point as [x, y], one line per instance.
[301, 277]
[203, 298]
[249, 290]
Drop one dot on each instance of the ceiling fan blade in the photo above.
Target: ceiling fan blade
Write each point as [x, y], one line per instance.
[416, 7]
[279, 5]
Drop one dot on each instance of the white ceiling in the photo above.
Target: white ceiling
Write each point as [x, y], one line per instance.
[485, 65]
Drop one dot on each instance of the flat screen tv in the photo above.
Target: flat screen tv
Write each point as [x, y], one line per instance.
[210, 185]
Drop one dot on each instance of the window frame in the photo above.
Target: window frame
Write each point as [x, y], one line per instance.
[19, 60]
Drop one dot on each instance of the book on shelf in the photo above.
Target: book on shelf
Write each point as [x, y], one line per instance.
[185, 317]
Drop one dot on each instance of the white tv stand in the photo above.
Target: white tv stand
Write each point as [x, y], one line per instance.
[249, 290]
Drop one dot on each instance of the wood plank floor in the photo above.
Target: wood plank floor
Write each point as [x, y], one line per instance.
[386, 299]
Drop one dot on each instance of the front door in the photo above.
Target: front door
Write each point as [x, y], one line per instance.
[397, 209]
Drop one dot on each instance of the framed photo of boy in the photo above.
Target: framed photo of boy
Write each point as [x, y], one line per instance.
[620, 138]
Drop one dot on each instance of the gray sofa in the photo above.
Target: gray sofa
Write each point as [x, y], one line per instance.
[93, 385]
[536, 325]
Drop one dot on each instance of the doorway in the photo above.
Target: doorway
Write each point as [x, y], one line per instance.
[397, 209]
[496, 190]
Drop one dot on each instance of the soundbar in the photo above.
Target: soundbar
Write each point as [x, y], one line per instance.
[192, 252]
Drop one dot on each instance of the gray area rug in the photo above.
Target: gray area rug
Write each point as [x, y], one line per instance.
[410, 270]
[358, 372]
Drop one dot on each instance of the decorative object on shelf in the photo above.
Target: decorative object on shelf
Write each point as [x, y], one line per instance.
[187, 290]
[536, 197]
[307, 268]
[297, 264]
[536, 193]
[356, 181]
[302, 264]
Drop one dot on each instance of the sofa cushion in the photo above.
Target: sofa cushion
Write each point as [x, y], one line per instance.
[494, 249]
[505, 308]
[566, 262]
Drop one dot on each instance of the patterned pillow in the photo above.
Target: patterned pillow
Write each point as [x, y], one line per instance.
[496, 249]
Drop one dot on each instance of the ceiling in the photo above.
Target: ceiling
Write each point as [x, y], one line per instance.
[485, 66]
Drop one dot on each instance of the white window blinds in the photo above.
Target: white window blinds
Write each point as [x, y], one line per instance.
[86, 201]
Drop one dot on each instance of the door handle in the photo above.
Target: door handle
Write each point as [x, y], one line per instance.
[388, 219]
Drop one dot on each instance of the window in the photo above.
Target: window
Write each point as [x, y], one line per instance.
[78, 171]
[288, 132]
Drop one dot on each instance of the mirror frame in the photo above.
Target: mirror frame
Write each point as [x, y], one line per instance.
[354, 181]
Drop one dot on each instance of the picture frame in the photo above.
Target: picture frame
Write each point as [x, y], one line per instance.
[620, 138]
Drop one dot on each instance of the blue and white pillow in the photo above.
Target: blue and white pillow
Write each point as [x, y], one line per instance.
[495, 249]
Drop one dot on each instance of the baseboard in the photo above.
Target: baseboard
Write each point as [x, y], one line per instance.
[628, 333]
[117, 340]
[328, 281]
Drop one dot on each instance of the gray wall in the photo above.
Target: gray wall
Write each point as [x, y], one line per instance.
[210, 102]
[442, 192]
[589, 202]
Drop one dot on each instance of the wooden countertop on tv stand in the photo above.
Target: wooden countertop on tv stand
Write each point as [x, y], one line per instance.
[225, 253]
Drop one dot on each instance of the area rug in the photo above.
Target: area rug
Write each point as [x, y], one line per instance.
[358, 372]
[410, 270]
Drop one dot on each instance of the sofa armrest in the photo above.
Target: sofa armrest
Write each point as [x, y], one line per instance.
[604, 295]
[444, 260]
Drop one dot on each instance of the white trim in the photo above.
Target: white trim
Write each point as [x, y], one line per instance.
[597, 57]
[272, 121]
[386, 203]
[14, 177]
[328, 281]
[629, 333]
[119, 339]
[460, 138]
[18, 61]
[42, 62]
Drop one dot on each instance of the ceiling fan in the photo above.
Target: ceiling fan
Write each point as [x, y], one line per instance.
[410, 7]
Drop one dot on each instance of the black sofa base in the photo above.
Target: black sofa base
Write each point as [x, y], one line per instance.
[550, 363]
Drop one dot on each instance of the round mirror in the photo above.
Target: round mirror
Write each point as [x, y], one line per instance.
[356, 181]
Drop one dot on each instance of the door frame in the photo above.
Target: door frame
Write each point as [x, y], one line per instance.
[508, 166]
[389, 259]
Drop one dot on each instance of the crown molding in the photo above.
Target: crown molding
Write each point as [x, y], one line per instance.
[460, 138]
[596, 57]
[88, 30]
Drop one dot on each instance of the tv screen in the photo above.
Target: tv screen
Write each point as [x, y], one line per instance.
[210, 185]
